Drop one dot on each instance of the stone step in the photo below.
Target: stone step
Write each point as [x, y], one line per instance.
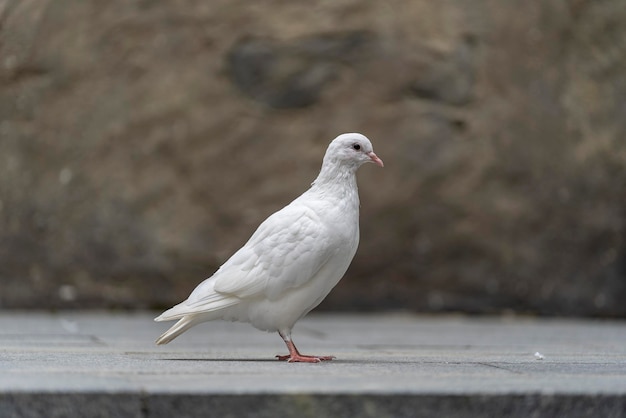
[92, 364]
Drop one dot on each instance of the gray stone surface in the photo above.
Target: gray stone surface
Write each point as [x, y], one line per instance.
[96, 364]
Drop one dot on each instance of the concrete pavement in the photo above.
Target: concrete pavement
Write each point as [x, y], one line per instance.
[106, 364]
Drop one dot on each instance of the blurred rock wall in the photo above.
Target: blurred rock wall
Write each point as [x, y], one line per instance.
[141, 143]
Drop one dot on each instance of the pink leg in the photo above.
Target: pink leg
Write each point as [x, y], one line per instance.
[295, 356]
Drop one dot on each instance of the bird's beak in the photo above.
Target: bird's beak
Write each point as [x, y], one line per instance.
[375, 159]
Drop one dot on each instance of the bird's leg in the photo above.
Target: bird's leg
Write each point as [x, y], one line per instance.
[295, 356]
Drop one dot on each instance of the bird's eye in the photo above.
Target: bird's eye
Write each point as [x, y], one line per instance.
[356, 146]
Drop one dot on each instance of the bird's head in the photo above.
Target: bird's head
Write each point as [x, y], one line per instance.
[351, 149]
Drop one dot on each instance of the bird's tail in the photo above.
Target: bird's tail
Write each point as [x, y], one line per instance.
[178, 328]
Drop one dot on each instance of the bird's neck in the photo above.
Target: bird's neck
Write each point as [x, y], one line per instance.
[337, 182]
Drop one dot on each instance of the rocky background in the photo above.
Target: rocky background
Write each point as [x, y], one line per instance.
[141, 143]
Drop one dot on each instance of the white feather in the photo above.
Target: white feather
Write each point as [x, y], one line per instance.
[295, 257]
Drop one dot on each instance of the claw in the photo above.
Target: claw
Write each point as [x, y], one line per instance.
[300, 358]
[294, 355]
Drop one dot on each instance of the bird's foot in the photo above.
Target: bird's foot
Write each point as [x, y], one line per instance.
[301, 358]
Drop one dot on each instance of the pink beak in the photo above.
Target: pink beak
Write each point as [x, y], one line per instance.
[375, 159]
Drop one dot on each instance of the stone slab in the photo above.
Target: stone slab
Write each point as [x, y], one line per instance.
[106, 364]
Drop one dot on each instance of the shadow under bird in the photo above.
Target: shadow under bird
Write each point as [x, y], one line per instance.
[292, 261]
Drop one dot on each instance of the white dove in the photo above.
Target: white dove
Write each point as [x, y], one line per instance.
[292, 261]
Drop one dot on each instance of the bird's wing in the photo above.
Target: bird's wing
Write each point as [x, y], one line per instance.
[284, 252]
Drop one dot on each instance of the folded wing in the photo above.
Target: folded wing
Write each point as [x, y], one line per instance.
[287, 250]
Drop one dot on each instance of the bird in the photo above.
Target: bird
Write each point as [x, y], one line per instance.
[292, 261]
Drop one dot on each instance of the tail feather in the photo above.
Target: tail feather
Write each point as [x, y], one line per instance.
[178, 328]
[210, 305]
[185, 309]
